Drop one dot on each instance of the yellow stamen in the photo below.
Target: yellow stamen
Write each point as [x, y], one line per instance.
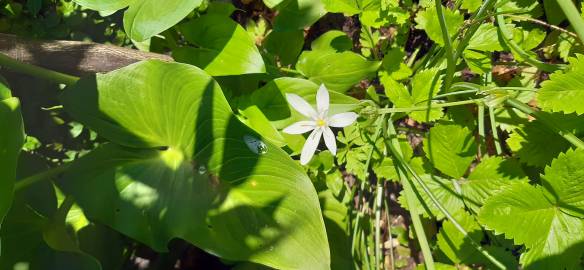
[320, 123]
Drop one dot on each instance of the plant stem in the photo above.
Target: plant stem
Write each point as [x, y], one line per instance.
[33, 179]
[496, 139]
[377, 208]
[289, 70]
[507, 36]
[36, 71]
[389, 233]
[379, 124]
[481, 123]
[550, 123]
[486, 6]
[573, 16]
[540, 22]
[450, 61]
[433, 106]
[407, 168]
[410, 195]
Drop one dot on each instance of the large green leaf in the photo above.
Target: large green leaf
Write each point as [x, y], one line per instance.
[451, 148]
[285, 45]
[297, 14]
[145, 18]
[181, 165]
[11, 140]
[339, 71]
[547, 220]
[564, 90]
[223, 47]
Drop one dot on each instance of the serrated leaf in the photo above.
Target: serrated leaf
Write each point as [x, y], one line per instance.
[563, 91]
[460, 250]
[541, 217]
[478, 62]
[488, 178]
[485, 39]
[145, 18]
[563, 180]
[223, 47]
[524, 214]
[394, 66]
[424, 86]
[454, 244]
[451, 148]
[338, 71]
[181, 165]
[536, 144]
[427, 20]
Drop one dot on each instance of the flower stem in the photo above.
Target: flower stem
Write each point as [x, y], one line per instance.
[573, 16]
[33, 179]
[450, 61]
[289, 70]
[394, 147]
[36, 71]
[405, 168]
[432, 106]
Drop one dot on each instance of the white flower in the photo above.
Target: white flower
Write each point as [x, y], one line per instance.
[319, 123]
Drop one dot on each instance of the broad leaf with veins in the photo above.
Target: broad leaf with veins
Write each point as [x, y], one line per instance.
[180, 165]
[546, 219]
[11, 140]
[145, 18]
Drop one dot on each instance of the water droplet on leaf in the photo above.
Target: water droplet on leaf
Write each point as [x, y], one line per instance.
[255, 145]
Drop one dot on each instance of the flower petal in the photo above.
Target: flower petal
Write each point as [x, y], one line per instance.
[342, 119]
[301, 105]
[310, 146]
[300, 127]
[330, 140]
[322, 100]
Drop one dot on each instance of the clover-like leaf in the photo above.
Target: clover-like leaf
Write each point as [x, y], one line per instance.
[11, 141]
[223, 47]
[547, 220]
[338, 71]
[564, 90]
[145, 18]
[451, 148]
[180, 165]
